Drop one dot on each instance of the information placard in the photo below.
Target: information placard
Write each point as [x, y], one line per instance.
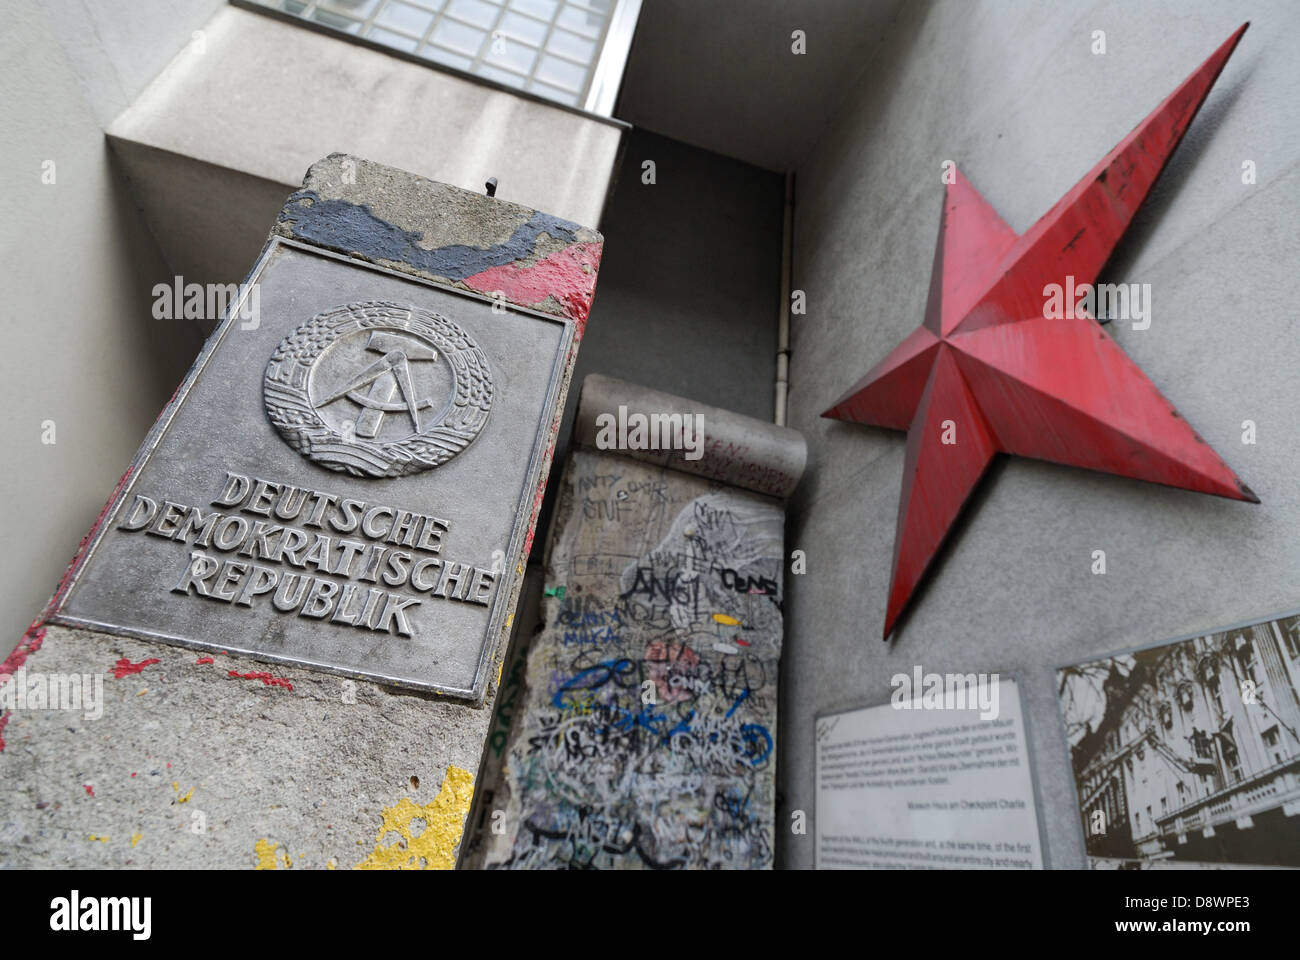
[938, 778]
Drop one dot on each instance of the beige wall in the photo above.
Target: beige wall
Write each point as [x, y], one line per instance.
[80, 347]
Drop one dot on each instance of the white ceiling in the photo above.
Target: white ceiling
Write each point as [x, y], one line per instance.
[720, 74]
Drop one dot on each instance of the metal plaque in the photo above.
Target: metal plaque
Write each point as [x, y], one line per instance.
[342, 482]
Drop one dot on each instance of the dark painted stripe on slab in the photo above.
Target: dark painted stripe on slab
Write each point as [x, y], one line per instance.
[353, 228]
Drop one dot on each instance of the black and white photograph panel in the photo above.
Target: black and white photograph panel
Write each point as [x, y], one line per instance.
[1188, 753]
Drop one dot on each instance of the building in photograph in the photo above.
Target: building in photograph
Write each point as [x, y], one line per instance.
[1197, 754]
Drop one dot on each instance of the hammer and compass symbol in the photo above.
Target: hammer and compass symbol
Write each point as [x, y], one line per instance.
[448, 405]
[386, 377]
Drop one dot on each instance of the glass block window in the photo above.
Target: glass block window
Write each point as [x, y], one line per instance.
[562, 50]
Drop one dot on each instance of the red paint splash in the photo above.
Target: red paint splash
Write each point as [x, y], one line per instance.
[124, 667]
[37, 628]
[540, 495]
[568, 275]
[266, 678]
[204, 660]
[671, 666]
[90, 790]
[31, 642]
[34, 635]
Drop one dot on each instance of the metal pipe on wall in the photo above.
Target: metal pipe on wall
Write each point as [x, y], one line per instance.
[783, 317]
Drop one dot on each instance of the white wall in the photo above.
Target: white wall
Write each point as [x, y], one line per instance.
[115, 47]
[1010, 91]
[80, 346]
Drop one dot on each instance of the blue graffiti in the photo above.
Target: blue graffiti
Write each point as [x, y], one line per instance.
[758, 742]
[598, 676]
[744, 694]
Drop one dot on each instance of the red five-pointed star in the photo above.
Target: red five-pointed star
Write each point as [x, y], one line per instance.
[988, 372]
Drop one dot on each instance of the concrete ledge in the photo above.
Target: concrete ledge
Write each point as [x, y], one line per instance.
[257, 101]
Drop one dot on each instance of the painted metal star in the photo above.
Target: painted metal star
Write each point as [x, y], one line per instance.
[991, 371]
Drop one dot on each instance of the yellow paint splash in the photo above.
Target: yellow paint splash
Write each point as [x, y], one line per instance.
[136, 838]
[444, 823]
[100, 839]
[723, 618]
[267, 852]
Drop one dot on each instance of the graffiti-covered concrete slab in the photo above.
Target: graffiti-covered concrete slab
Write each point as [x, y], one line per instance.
[645, 734]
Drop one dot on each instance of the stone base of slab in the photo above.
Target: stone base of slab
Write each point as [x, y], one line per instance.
[229, 763]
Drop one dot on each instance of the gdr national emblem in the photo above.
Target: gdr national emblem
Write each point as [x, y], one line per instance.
[378, 389]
